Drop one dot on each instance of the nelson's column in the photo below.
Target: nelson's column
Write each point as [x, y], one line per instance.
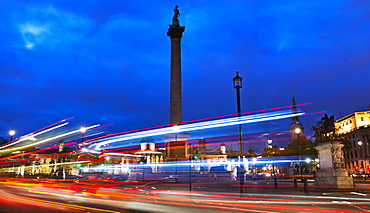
[176, 143]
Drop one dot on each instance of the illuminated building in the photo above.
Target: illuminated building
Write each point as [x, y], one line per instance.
[355, 128]
[147, 149]
[295, 122]
[56, 161]
[203, 153]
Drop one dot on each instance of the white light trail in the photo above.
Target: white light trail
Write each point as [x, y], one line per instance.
[198, 126]
[120, 154]
[32, 136]
[48, 139]
[181, 163]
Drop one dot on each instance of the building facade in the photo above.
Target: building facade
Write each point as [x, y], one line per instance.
[355, 129]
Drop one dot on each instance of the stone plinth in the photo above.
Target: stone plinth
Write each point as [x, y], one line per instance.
[332, 173]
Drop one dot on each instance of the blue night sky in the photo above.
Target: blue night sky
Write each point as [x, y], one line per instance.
[108, 61]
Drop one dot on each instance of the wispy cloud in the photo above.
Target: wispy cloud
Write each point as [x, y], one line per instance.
[50, 26]
[34, 33]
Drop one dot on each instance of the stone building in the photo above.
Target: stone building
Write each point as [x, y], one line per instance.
[148, 149]
[355, 128]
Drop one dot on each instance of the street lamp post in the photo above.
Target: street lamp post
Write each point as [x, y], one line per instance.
[269, 153]
[304, 180]
[237, 84]
[82, 130]
[362, 158]
[190, 164]
[298, 132]
[11, 133]
[269, 146]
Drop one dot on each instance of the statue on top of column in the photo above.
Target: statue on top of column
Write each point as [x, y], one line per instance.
[175, 20]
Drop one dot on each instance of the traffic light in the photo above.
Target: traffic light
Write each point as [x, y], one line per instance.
[196, 157]
[79, 165]
[368, 167]
[356, 168]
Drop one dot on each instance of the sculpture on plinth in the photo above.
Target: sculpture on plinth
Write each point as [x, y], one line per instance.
[332, 172]
[326, 131]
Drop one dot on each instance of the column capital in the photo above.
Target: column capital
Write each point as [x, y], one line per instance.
[175, 31]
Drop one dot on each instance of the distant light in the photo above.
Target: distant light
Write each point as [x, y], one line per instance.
[12, 132]
[359, 143]
[282, 148]
[42, 141]
[308, 160]
[176, 128]
[83, 129]
[269, 141]
[297, 130]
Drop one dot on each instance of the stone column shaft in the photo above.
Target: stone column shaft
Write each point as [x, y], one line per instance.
[176, 86]
[175, 34]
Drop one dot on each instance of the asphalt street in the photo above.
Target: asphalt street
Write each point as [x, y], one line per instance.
[259, 196]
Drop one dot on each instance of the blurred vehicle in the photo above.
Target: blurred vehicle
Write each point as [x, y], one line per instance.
[360, 175]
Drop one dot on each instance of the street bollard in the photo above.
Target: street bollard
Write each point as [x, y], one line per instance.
[305, 189]
[295, 182]
[275, 182]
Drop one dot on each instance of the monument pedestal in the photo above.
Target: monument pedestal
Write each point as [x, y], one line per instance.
[332, 173]
[176, 146]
